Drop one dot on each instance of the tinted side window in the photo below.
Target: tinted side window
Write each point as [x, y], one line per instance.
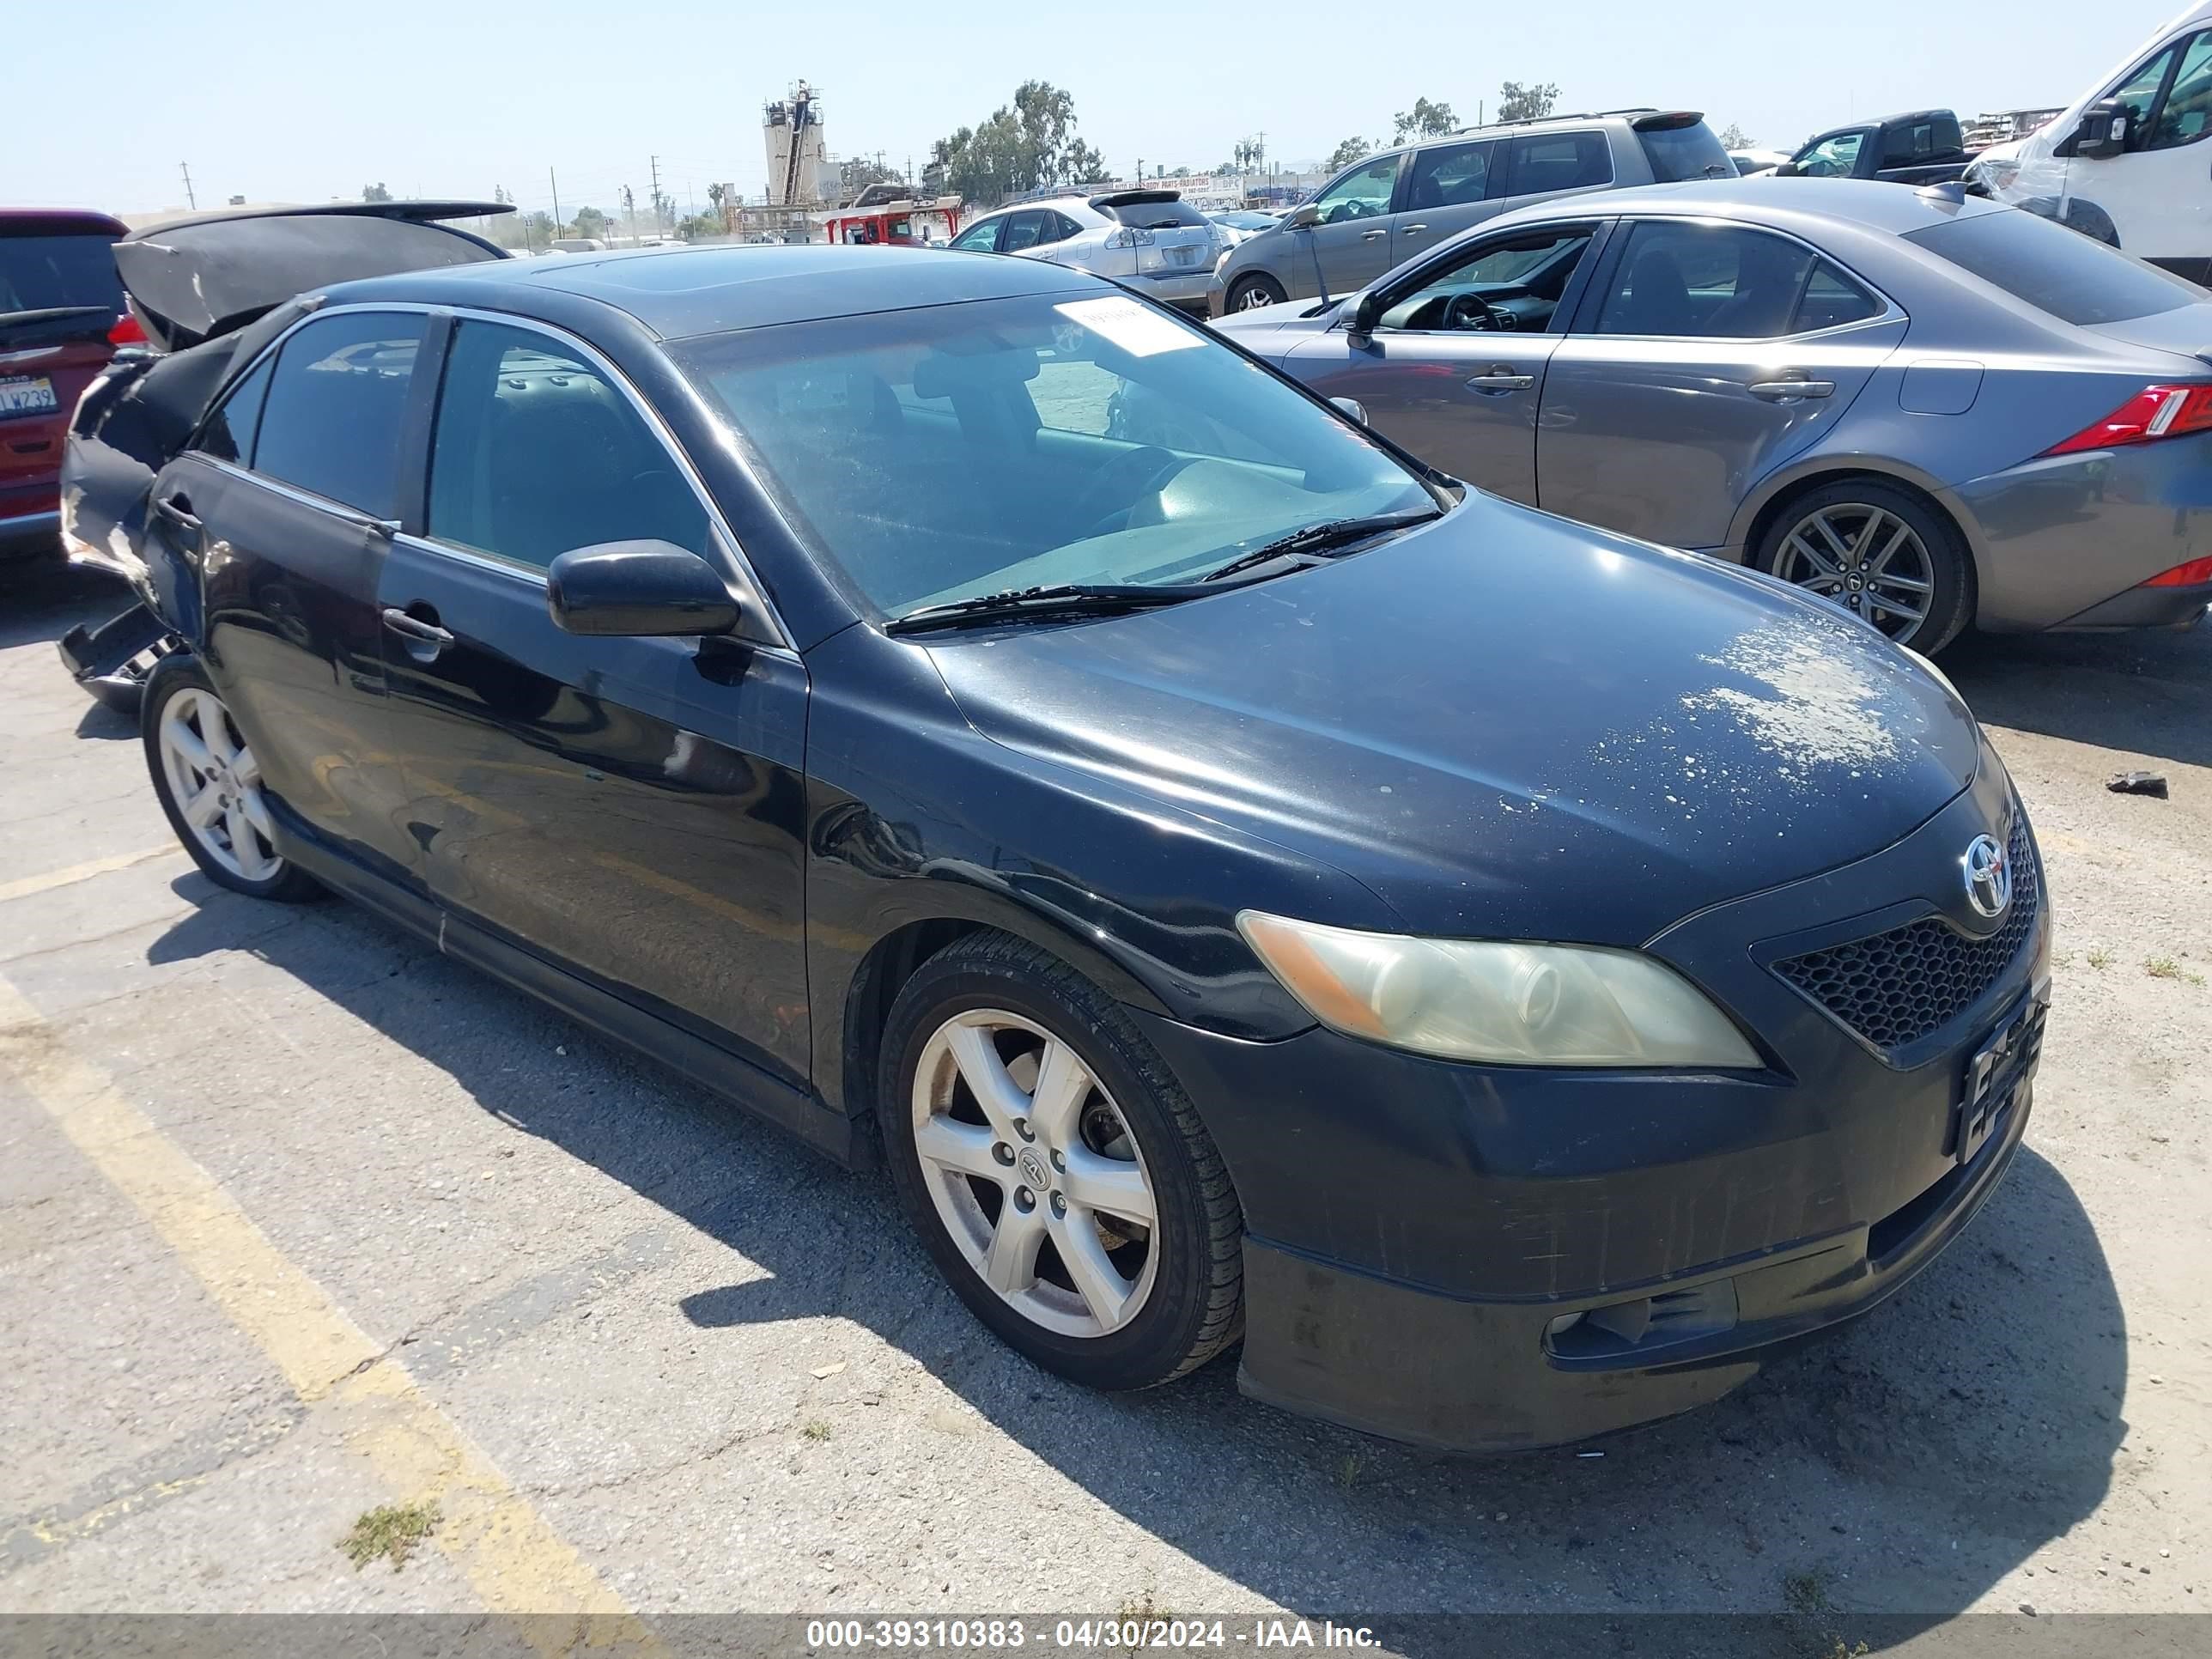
[228, 433]
[1706, 281]
[2186, 115]
[337, 407]
[1023, 230]
[1831, 300]
[1547, 161]
[1450, 175]
[535, 452]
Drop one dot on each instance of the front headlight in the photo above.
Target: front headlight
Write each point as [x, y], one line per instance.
[1492, 1000]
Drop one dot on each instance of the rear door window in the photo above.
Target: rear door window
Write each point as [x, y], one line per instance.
[2059, 271]
[1707, 281]
[1025, 230]
[228, 432]
[535, 451]
[1544, 162]
[336, 408]
[1450, 175]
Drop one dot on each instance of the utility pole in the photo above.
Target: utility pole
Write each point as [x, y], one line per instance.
[655, 164]
[187, 167]
[557, 221]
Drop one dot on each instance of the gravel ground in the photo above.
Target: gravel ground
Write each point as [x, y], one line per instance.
[706, 1371]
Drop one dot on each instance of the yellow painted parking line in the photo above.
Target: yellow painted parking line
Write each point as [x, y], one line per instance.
[27, 885]
[513, 1559]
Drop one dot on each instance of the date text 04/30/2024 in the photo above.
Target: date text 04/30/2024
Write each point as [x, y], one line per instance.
[1120, 1635]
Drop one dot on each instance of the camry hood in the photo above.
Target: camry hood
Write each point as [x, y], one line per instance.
[1505, 724]
[192, 279]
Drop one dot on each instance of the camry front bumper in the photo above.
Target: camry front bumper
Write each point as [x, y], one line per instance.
[1485, 1258]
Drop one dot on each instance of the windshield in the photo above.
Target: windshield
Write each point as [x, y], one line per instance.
[937, 454]
[38, 273]
[2057, 270]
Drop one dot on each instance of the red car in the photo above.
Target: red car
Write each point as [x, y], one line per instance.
[62, 316]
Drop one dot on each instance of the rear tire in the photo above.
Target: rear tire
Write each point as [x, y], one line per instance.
[1879, 551]
[1074, 1200]
[208, 783]
[1250, 293]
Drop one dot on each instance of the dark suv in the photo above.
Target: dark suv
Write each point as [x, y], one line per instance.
[61, 316]
[1384, 209]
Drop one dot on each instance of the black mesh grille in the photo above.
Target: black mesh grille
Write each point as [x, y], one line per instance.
[1896, 988]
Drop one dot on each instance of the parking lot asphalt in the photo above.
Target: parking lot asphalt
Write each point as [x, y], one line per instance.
[301, 1220]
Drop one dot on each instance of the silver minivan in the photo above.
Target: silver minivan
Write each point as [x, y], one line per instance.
[1384, 209]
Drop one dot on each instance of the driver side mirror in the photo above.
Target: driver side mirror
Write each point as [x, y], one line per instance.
[2103, 133]
[1786, 170]
[637, 590]
[1304, 217]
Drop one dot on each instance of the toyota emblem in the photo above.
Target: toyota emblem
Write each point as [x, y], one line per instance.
[1988, 876]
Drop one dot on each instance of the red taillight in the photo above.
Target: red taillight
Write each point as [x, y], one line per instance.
[2195, 574]
[126, 331]
[2156, 411]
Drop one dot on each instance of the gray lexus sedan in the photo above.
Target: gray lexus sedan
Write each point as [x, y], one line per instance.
[1933, 409]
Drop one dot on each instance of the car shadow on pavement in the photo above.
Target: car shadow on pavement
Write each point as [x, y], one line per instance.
[2141, 693]
[1900, 1467]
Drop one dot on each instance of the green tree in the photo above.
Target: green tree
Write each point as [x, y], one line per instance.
[1425, 120]
[1347, 151]
[589, 221]
[375, 193]
[1026, 144]
[1530, 103]
[1734, 137]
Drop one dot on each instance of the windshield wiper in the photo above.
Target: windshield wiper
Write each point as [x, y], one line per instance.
[1316, 536]
[1062, 599]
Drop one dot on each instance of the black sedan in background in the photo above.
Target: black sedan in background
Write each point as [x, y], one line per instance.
[1510, 974]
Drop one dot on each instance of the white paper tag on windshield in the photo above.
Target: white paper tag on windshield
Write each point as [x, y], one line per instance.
[1126, 324]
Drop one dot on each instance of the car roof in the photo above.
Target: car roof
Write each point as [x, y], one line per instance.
[1891, 209]
[679, 292]
[58, 222]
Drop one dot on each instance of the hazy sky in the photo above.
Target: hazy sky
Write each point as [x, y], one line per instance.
[453, 97]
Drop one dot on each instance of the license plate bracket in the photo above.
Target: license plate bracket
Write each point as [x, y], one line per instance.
[1996, 1073]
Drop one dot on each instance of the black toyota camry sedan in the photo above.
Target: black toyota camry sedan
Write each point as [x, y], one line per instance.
[1249, 886]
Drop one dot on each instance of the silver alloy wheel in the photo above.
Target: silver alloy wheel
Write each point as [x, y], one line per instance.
[217, 784]
[1867, 560]
[1035, 1174]
[1253, 296]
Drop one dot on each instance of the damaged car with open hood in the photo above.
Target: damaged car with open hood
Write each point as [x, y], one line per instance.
[1502, 977]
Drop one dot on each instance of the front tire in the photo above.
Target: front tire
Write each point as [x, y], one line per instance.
[1250, 293]
[1880, 552]
[1056, 1172]
[209, 784]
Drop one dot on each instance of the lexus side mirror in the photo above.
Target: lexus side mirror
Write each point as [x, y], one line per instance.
[1359, 313]
[637, 590]
[1304, 217]
[1352, 409]
[2103, 133]
[1785, 170]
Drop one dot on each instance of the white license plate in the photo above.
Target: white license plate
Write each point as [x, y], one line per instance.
[28, 394]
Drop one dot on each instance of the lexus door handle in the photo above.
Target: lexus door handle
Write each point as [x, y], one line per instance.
[414, 630]
[1783, 391]
[1372, 235]
[1501, 379]
[176, 508]
[1411, 230]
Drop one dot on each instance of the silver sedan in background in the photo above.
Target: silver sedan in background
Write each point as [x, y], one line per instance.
[1933, 409]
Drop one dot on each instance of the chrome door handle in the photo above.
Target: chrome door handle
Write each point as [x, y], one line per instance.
[415, 628]
[176, 508]
[1372, 235]
[1501, 379]
[1783, 391]
[1411, 230]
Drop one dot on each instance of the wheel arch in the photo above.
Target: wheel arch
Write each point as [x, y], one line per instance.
[1756, 515]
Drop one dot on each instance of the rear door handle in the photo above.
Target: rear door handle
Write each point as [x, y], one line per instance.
[414, 630]
[1788, 390]
[176, 508]
[1372, 235]
[1501, 379]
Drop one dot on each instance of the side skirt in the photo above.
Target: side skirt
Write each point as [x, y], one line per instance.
[715, 1069]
